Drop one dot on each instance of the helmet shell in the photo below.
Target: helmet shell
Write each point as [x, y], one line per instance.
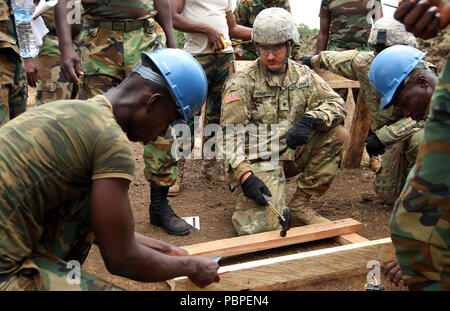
[390, 68]
[395, 33]
[274, 26]
[185, 77]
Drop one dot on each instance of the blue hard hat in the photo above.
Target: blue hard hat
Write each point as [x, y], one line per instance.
[185, 77]
[390, 68]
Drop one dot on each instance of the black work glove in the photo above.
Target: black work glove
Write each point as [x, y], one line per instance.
[298, 134]
[306, 60]
[374, 146]
[253, 188]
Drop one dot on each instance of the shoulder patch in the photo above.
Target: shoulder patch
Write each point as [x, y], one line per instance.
[233, 96]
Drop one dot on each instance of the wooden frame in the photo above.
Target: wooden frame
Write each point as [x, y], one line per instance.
[268, 273]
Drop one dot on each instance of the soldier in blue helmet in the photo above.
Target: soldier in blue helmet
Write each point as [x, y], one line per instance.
[65, 172]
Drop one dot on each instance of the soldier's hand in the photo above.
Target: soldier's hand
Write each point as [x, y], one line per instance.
[205, 271]
[254, 188]
[374, 146]
[423, 18]
[393, 272]
[306, 60]
[31, 71]
[71, 67]
[299, 134]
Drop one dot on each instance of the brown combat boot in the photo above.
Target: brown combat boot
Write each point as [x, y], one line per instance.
[213, 171]
[375, 163]
[301, 210]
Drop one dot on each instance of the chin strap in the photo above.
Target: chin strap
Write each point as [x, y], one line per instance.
[148, 74]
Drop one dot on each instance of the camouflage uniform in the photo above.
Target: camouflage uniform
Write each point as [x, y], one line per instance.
[52, 85]
[245, 14]
[44, 209]
[256, 96]
[13, 85]
[111, 42]
[400, 136]
[420, 222]
[349, 27]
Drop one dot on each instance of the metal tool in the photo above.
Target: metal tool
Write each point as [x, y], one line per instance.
[285, 219]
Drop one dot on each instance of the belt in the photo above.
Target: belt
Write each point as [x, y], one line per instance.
[124, 25]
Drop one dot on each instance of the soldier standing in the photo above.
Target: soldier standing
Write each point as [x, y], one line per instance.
[13, 85]
[280, 93]
[113, 35]
[394, 136]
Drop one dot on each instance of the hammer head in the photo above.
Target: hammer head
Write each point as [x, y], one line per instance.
[286, 224]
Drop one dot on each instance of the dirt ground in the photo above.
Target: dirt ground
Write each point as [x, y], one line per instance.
[350, 196]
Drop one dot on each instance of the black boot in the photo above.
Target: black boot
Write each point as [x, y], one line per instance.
[161, 214]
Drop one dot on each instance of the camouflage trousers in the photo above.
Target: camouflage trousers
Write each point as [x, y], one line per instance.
[107, 58]
[420, 221]
[65, 243]
[396, 163]
[13, 86]
[52, 84]
[316, 163]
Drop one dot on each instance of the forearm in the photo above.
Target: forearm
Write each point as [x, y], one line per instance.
[63, 28]
[398, 131]
[322, 42]
[164, 18]
[183, 24]
[241, 32]
[157, 245]
[340, 63]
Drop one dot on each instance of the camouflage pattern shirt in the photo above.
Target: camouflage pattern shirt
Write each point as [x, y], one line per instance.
[349, 24]
[48, 156]
[119, 9]
[245, 14]
[255, 96]
[8, 37]
[389, 125]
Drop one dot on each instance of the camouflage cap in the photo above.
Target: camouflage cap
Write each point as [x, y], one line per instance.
[394, 33]
[274, 26]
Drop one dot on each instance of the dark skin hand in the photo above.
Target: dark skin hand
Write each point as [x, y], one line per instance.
[31, 72]
[424, 18]
[181, 23]
[393, 273]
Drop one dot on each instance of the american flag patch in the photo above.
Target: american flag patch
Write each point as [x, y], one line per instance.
[231, 97]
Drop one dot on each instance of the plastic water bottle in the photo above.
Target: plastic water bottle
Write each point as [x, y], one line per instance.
[28, 46]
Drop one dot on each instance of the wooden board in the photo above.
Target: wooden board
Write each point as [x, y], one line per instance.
[274, 271]
[272, 239]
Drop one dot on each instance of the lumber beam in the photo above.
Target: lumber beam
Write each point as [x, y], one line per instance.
[272, 239]
[274, 271]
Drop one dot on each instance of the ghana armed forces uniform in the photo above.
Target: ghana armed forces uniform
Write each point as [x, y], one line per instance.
[44, 205]
[420, 222]
[256, 96]
[13, 85]
[400, 136]
[245, 14]
[349, 25]
[111, 42]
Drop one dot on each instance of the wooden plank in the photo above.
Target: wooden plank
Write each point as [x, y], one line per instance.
[272, 239]
[274, 271]
[350, 239]
[354, 148]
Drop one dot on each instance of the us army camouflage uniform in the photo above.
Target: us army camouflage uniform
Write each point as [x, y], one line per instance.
[245, 14]
[255, 96]
[108, 54]
[400, 136]
[420, 222]
[52, 84]
[13, 85]
[349, 28]
[44, 209]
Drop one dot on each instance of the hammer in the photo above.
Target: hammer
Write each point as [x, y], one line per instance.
[285, 219]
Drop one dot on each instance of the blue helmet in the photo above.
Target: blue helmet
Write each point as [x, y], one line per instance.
[184, 77]
[390, 68]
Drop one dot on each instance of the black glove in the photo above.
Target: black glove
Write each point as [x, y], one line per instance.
[253, 188]
[374, 146]
[306, 60]
[298, 134]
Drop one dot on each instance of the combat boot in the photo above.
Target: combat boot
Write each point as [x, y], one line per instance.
[213, 171]
[302, 211]
[175, 189]
[161, 214]
[375, 163]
